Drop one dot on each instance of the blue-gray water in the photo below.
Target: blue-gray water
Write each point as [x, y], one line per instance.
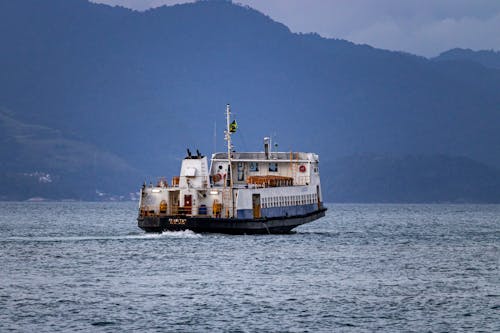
[86, 266]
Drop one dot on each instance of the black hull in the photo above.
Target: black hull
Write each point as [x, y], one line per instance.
[274, 225]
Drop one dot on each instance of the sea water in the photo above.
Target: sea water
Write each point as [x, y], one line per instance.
[362, 268]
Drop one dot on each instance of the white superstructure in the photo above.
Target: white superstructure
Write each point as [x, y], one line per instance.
[240, 185]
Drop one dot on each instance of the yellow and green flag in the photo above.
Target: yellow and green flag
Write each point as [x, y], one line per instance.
[233, 126]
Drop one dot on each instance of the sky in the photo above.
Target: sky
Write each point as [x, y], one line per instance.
[423, 27]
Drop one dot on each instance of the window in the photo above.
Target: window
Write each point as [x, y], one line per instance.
[273, 167]
[254, 166]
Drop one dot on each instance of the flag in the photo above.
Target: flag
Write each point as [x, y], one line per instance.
[233, 126]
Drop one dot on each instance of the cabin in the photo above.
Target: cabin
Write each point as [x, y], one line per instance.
[252, 185]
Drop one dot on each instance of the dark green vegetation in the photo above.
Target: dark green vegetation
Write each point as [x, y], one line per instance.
[37, 161]
[101, 98]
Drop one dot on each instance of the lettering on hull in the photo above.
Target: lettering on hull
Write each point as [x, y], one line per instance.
[177, 221]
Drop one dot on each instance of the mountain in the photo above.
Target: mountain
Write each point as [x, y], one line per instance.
[413, 178]
[143, 86]
[38, 161]
[487, 58]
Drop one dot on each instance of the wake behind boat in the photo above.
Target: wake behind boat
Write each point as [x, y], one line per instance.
[241, 192]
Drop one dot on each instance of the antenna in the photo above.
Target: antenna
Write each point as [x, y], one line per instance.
[229, 149]
[215, 137]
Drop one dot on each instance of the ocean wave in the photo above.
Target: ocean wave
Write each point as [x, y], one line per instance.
[165, 234]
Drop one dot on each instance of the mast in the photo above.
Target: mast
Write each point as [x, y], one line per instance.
[229, 148]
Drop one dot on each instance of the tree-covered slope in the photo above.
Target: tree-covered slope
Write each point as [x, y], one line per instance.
[37, 161]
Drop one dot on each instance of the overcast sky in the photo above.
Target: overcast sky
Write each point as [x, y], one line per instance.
[423, 27]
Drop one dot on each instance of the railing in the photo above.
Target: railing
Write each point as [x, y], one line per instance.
[302, 180]
[163, 183]
[181, 210]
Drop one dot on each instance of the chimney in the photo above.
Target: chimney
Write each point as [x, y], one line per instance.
[266, 147]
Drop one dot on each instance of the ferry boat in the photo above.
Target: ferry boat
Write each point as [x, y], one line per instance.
[241, 193]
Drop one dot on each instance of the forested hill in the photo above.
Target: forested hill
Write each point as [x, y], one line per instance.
[487, 58]
[140, 87]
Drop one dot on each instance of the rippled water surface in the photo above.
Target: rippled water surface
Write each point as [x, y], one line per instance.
[86, 266]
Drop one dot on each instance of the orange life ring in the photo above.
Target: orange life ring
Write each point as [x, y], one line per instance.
[302, 168]
[217, 177]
